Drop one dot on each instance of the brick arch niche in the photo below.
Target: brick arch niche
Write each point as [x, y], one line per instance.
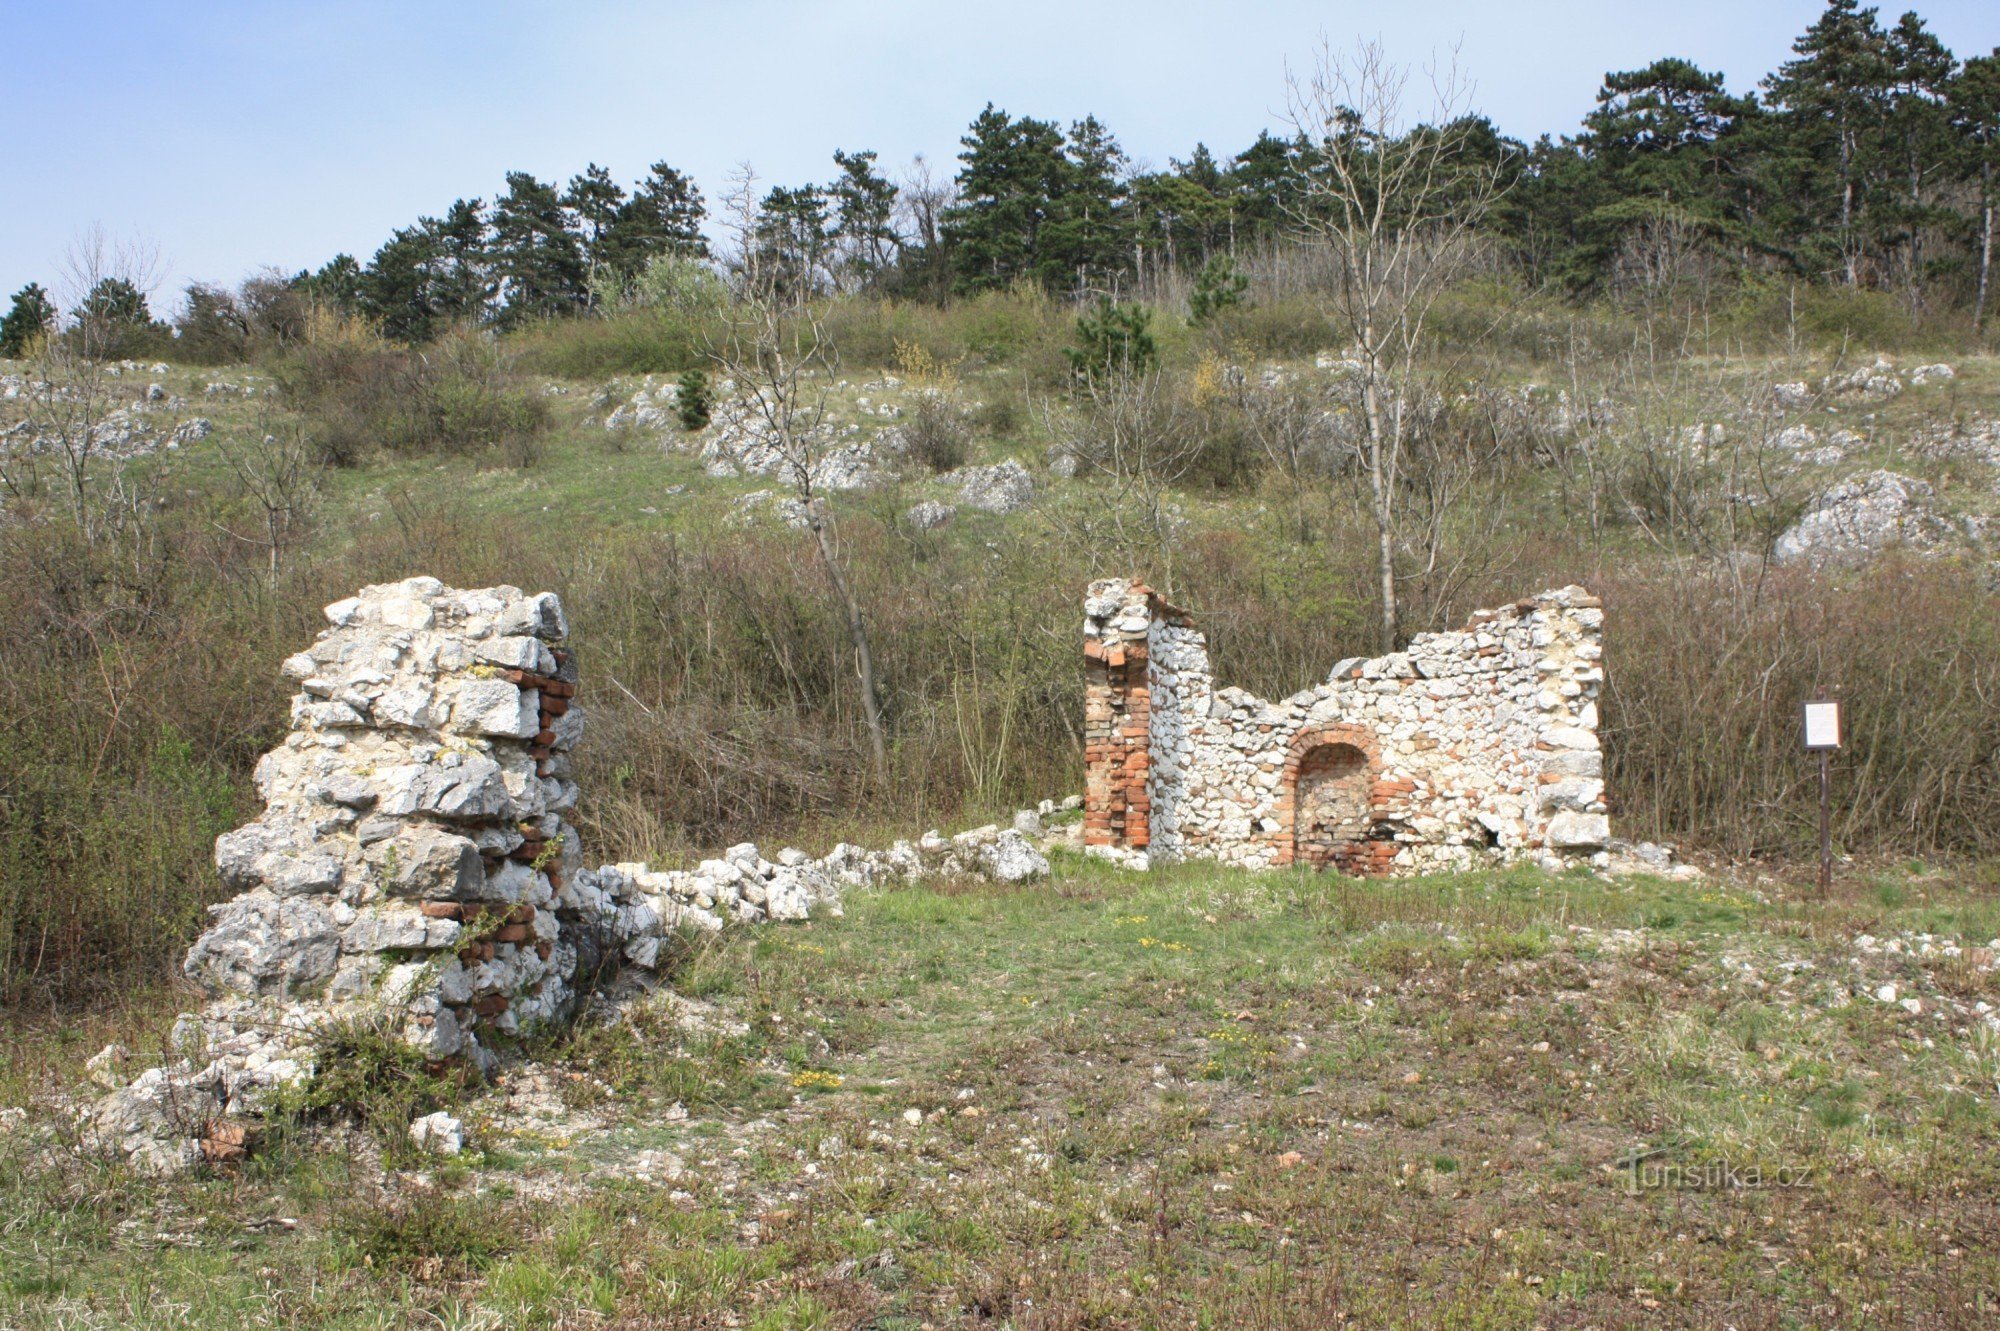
[1328, 809]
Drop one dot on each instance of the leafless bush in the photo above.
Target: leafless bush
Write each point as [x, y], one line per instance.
[936, 431]
[1136, 436]
[279, 470]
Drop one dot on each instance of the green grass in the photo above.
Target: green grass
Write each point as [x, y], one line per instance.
[1193, 1098]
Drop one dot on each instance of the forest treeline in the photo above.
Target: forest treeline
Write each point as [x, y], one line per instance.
[1867, 160]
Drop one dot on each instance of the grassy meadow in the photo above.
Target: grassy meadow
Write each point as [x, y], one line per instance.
[1189, 1099]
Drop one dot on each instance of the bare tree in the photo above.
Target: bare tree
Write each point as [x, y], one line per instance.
[1137, 436]
[774, 347]
[1394, 208]
[281, 476]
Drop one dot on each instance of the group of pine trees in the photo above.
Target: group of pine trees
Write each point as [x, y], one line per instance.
[1868, 159]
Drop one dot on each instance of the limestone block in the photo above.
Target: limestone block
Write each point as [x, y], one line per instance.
[1571, 793]
[473, 789]
[495, 707]
[264, 945]
[1571, 830]
[412, 706]
[383, 930]
[258, 855]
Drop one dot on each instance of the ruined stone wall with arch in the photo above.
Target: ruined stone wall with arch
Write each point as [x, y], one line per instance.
[1473, 746]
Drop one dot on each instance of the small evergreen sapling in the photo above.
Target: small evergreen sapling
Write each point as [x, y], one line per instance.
[692, 403]
[1113, 340]
[1217, 287]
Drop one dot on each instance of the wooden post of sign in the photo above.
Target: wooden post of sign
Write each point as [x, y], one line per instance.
[1825, 828]
[1822, 736]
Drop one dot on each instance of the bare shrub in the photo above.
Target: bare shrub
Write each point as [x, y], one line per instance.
[935, 431]
[1137, 436]
[460, 395]
[1702, 701]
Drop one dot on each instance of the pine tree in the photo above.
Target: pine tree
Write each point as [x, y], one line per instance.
[429, 276]
[1836, 95]
[31, 317]
[1113, 342]
[864, 213]
[1917, 142]
[1647, 158]
[337, 284]
[662, 216]
[794, 239]
[595, 198]
[1218, 287]
[1261, 185]
[114, 320]
[1010, 175]
[461, 283]
[535, 257]
[1084, 246]
[395, 288]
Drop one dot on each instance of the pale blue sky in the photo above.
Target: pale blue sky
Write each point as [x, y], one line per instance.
[232, 133]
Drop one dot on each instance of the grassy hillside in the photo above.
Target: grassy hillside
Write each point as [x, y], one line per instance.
[1644, 457]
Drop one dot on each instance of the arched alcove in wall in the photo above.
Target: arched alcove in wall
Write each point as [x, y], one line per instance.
[1331, 804]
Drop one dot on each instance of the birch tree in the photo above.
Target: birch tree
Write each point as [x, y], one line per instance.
[1393, 207]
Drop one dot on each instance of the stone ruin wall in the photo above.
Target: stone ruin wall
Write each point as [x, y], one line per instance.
[414, 869]
[1469, 746]
[413, 857]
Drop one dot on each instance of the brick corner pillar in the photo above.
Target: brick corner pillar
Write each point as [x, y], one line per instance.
[1117, 715]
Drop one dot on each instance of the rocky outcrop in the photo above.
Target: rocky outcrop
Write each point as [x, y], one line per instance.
[1861, 517]
[1005, 487]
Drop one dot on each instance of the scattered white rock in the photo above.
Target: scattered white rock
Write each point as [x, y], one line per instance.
[438, 1134]
[1005, 487]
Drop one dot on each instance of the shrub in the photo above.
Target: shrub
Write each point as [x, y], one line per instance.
[936, 432]
[369, 1077]
[426, 1232]
[1113, 340]
[459, 395]
[1816, 317]
[693, 405]
[639, 340]
[998, 417]
[1281, 329]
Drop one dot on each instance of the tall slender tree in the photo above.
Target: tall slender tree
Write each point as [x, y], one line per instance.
[1974, 102]
[594, 198]
[1836, 92]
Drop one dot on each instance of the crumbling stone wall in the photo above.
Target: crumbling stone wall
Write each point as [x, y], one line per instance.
[1469, 746]
[415, 870]
[413, 859]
